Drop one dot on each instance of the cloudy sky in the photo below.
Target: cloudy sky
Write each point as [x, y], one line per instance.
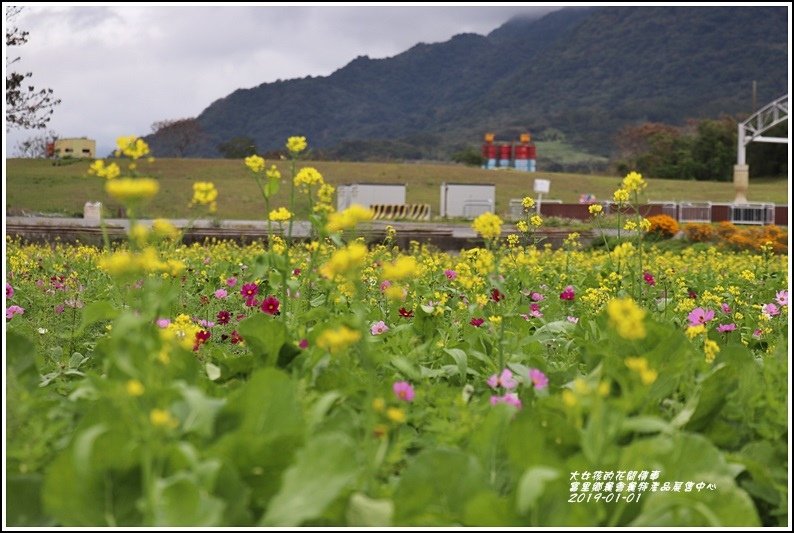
[119, 69]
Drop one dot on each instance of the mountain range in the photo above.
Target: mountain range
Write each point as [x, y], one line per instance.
[576, 74]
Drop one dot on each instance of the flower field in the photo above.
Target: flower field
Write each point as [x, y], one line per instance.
[335, 382]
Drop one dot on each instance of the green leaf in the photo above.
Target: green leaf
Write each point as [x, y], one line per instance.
[487, 509]
[23, 501]
[179, 501]
[363, 511]
[436, 487]
[645, 424]
[321, 408]
[406, 368]
[265, 335]
[21, 358]
[322, 469]
[531, 486]
[196, 410]
[213, 372]
[96, 312]
[461, 360]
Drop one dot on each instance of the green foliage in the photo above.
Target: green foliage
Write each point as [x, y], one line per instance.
[237, 147]
[469, 156]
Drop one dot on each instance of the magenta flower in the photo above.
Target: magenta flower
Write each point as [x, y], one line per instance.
[757, 333]
[13, 311]
[724, 328]
[162, 323]
[511, 398]
[59, 309]
[700, 316]
[504, 380]
[249, 292]
[781, 297]
[567, 293]
[537, 297]
[270, 305]
[205, 323]
[476, 322]
[725, 308]
[649, 279]
[10, 291]
[450, 274]
[404, 391]
[303, 344]
[231, 282]
[385, 284]
[223, 317]
[770, 310]
[220, 294]
[539, 379]
[496, 295]
[378, 328]
[572, 319]
[534, 311]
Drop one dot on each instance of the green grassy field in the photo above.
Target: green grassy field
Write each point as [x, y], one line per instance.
[38, 186]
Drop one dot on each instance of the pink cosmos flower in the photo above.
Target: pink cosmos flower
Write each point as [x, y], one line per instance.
[700, 316]
[568, 293]
[504, 380]
[378, 328]
[781, 297]
[162, 323]
[220, 294]
[534, 311]
[511, 398]
[770, 310]
[14, 310]
[496, 295]
[725, 308]
[303, 344]
[539, 379]
[231, 282]
[404, 391]
[10, 291]
[450, 274]
[649, 279]
[385, 284]
[270, 305]
[572, 319]
[59, 309]
[205, 323]
[724, 328]
[757, 333]
[476, 322]
[537, 297]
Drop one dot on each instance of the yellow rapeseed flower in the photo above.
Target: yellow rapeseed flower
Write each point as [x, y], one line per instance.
[621, 196]
[326, 193]
[522, 226]
[344, 260]
[349, 218]
[595, 209]
[694, 331]
[296, 144]
[527, 203]
[335, 340]
[134, 388]
[627, 318]
[395, 415]
[98, 168]
[536, 221]
[489, 225]
[634, 182]
[403, 267]
[162, 418]
[281, 214]
[132, 146]
[132, 190]
[711, 350]
[306, 177]
[255, 163]
[164, 229]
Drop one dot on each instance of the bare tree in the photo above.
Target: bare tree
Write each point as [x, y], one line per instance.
[26, 107]
[35, 147]
[177, 136]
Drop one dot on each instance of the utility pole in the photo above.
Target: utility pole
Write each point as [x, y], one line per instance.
[755, 96]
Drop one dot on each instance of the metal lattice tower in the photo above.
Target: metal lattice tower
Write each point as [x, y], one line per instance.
[753, 129]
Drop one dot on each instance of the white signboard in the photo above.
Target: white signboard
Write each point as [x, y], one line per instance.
[368, 194]
[542, 186]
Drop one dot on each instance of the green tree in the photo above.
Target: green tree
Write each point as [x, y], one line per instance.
[237, 147]
[469, 156]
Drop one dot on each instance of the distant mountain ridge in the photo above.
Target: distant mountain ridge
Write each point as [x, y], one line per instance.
[577, 72]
